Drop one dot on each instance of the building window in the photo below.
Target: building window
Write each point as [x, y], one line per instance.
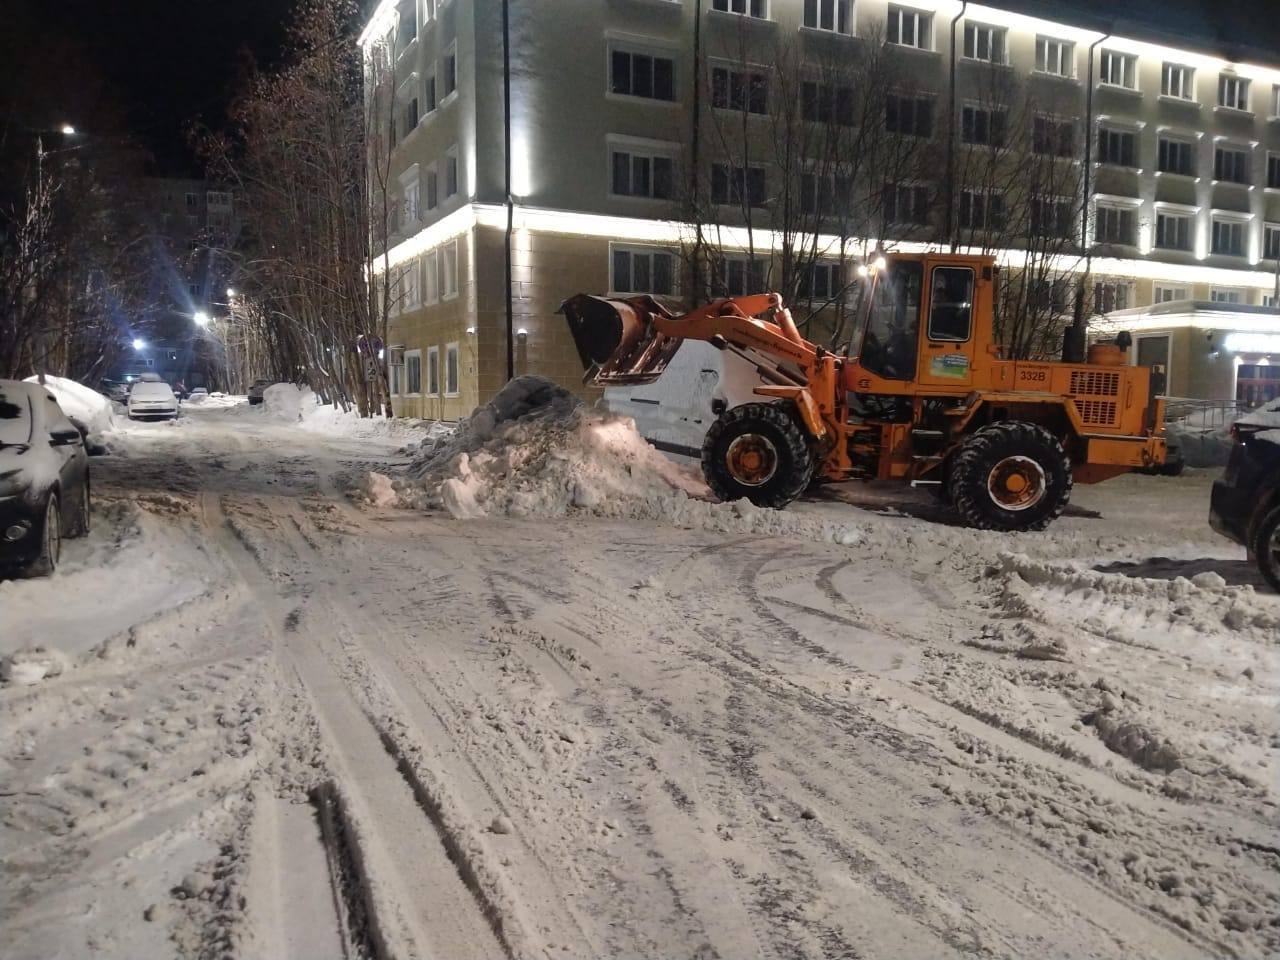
[1230, 164]
[431, 273]
[1052, 218]
[1271, 301]
[1178, 82]
[195, 289]
[823, 193]
[747, 8]
[984, 43]
[1233, 92]
[410, 114]
[449, 270]
[1257, 383]
[906, 203]
[1111, 295]
[1053, 295]
[983, 125]
[413, 372]
[909, 28]
[1273, 170]
[908, 115]
[451, 370]
[832, 15]
[449, 70]
[433, 371]
[820, 282]
[395, 370]
[1228, 237]
[1271, 241]
[642, 270]
[642, 175]
[1117, 147]
[1119, 70]
[1176, 156]
[1166, 294]
[411, 197]
[825, 103]
[980, 210]
[412, 285]
[1053, 137]
[739, 90]
[1114, 225]
[451, 173]
[217, 198]
[642, 75]
[739, 276]
[1055, 56]
[429, 101]
[1221, 295]
[433, 187]
[737, 185]
[193, 201]
[1173, 231]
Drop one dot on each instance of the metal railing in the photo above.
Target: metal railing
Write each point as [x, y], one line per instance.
[1200, 428]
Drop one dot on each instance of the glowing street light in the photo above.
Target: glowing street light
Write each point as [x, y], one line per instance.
[68, 130]
[230, 292]
[139, 343]
[201, 318]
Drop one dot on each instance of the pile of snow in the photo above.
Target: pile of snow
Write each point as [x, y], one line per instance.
[286, 401]
[85, 406]
[536, 451]
[1268, 415]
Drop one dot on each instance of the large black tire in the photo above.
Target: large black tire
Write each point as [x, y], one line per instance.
[81, 522]
[1266, 548]
[50, 541]
[1011, 476]
[757, 452]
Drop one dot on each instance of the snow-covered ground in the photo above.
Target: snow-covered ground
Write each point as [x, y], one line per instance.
[255, 717]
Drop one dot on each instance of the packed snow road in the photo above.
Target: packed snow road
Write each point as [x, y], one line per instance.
[265, 720]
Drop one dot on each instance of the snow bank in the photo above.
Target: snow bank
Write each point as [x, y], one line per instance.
[1268, 415]
[82, 404]
[289, 402]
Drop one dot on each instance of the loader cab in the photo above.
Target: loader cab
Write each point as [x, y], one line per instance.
[927, 324]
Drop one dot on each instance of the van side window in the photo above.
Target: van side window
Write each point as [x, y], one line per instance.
[951, 304]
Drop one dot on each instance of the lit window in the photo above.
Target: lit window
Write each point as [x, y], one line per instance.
[634, 74]
[637, 174]
[1230, 164]
[1119, 70]
[747, 8]
[1176, 156]
[1173, 231]
[739, 90]
[909, 28]
[1228, 237]
[1114, 224]
[451, 370]
[642, 270]
[830, 15]
[1178, 82]
[1117, 147]
[449, 270]
[984, 43]
[1233, 92]
[1055, 56]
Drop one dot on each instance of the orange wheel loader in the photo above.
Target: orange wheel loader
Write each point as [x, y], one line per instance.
[921, 395]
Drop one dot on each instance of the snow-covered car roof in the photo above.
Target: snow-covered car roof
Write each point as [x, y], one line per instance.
[1267, 415]
[15, 412]
[148, 388]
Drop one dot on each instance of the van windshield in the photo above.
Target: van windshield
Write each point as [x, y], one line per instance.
[893, 326]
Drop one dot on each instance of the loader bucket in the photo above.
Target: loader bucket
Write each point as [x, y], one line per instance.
[617, 340]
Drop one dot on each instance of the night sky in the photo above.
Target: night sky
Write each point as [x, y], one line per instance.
[153, 66]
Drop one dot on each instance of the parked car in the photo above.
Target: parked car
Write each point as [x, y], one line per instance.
[198, 394]
[1245, 504]
[117, 390]
[258, 388]
[152, 398]
[44, 479]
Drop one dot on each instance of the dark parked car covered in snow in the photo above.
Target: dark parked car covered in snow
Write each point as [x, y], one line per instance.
[44, 479]
[257, 389]
[1245, 504]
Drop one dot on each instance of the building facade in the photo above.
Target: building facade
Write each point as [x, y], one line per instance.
[1176, 148]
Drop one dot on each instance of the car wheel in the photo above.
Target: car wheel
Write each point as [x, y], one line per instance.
[1011, 476]
[82, 521]
[50, 541]
[1266, 548]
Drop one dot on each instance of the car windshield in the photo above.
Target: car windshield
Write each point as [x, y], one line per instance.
[147, 390]
[15, 417]
[889, 346]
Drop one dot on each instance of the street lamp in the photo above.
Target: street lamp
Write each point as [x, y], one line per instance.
[139, 343]
[230, 293]
[201, 318]
[68, 130]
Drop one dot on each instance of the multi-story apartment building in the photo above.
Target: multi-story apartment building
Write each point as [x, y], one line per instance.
[1175, 199]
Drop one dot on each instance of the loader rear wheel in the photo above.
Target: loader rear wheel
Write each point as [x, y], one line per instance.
[757, 452]
[1011, 476]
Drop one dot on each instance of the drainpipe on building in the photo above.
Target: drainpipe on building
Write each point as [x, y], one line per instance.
[1073, 339]
[951, 135]
[506, 143]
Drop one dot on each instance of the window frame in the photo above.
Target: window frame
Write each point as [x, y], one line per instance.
[1241, 84]
[637, 149]
[918, 202]
[990, 112]
[431, 178]
[1233, 225]
[1106, 130]
[450, 283]
[1164, 139]
[744, 194]
[654, 51]
[431, 277]
[1224, 148]
[967, 197]
[922, 27]
[454, 352]
[1270, 237]
[432, 370]
[1158, 288]
[841, 17]
[973, 281]
[992, 33]
[1129, 70]
[448, 73]
[650, 251]
[916, 112]
[1272, 176]
[1066, 57]
[1103, 212]
[1116, 286]
[409, 355]
[1188, 221]
[452, 174]
[1186, 81]
[749, 265]
[741, 82]
[748, 7]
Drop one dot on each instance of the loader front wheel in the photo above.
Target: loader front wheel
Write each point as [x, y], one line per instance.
[757, 452]
[1011, 476]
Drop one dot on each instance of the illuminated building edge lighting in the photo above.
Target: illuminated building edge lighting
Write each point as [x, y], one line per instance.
[1252, 343]
[639, 230]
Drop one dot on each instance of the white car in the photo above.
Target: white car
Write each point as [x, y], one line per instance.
[198, 395]
[150, 398]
